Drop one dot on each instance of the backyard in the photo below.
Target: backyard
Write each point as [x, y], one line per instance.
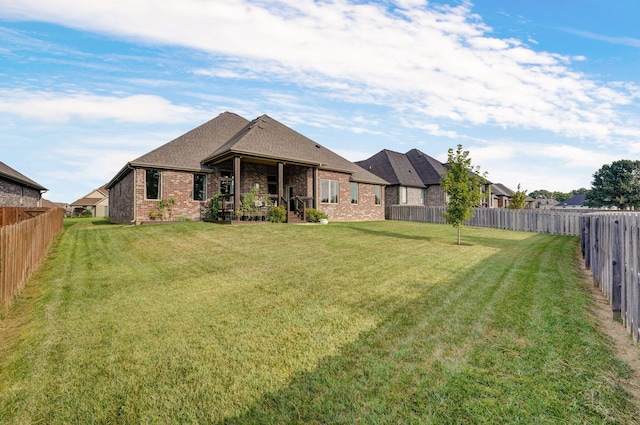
[352, 323]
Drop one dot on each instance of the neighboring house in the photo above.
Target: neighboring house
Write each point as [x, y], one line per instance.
[414, 177]
[96, 201]
[545, 203]
[17, 190]
[500, 196]
[231, 155]
[574, 203]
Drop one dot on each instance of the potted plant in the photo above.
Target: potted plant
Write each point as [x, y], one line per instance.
[317, 216]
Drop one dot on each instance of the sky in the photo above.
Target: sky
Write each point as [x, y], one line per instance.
[541, 93]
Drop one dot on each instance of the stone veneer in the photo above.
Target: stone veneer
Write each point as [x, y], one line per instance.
[15, 195]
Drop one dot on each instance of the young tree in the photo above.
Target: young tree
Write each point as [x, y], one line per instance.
[462, 183]
[616, 185]
[518, 200]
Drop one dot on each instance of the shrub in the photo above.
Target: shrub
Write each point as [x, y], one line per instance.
[314, 215]
[277, 214]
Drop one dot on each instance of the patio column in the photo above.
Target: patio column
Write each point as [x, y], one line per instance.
[315, 181]
[236, 183]
[280, 182]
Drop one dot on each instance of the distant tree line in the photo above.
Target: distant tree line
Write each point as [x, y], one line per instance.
[615, 185]
[558, 196]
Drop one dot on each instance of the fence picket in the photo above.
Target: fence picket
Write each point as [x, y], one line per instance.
[25, 237]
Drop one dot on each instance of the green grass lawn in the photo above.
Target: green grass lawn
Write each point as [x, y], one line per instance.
[353, 323]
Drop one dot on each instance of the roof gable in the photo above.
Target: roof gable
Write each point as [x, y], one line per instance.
[415, 168]
[429, 169]
[266, 137]
[188, 151]
[13, 175]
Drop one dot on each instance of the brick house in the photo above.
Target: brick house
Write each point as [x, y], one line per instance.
[96, 201]
[17, 190]
[414, 179]
[231, 156]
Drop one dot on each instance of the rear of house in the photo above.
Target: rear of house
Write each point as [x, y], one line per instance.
[231, 156]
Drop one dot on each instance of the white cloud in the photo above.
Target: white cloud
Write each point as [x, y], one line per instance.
[61, 107]
[440, 61]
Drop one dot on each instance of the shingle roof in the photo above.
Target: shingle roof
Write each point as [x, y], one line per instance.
[187, 151]
[394, 167]
[230, 134]
[577, 200]
[266, 137]
[414, 168]
[11, 174]
[430, 169]
[87, 201]
[499, 189]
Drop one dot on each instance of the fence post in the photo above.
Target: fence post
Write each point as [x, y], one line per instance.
[616, 263]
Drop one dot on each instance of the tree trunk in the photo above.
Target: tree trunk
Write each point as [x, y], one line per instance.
[458, 235]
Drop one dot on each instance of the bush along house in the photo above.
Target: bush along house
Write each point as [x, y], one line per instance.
[245, 166]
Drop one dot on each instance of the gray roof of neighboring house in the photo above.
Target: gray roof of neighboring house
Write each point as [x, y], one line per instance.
[430, 169]
[414, 168]
[576, 201]
[229, 135]
[499, 189]
[11, 174]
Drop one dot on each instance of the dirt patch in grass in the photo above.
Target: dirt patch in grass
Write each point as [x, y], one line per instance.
[624, 347]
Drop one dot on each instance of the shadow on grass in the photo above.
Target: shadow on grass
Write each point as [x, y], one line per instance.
[417, 367]
[103, 222]
[386, 234]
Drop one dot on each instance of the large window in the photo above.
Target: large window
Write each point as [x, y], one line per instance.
[199, 187]
[403, 194]
[354, 193]
[329, 191]
[153, 184]
[378, 194]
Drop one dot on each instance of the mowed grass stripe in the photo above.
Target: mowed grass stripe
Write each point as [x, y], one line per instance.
[385, 322]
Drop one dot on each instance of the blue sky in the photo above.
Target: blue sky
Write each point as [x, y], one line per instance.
[542, 93]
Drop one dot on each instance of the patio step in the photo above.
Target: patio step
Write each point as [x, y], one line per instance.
[292, 217]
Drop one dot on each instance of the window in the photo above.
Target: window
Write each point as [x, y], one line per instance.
[403, 194]
[199, 187]
[378, 194]
[423, 196]
[354, 193]
[329, 190]
[153, 184]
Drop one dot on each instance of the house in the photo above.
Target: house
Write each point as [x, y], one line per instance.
[544, 203]
[96, 202]
[574, 203]
[414, 177]
[17, 190]
[232, 156]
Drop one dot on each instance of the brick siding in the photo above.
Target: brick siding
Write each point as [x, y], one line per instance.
[15, 195]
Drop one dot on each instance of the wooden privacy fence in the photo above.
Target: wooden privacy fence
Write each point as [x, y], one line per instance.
[12, 215]
[539, 221]
[609, 243]
[23, 244]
